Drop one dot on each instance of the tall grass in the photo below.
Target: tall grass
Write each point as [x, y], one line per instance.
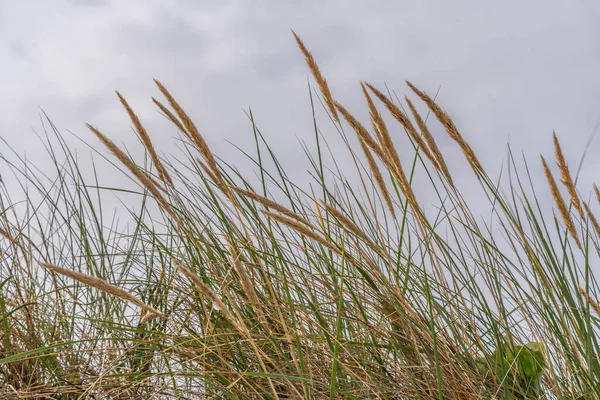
[232, 287]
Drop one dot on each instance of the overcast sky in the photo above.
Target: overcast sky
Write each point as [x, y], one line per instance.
[510, 71]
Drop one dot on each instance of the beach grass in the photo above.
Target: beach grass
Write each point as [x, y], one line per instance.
[249, 285]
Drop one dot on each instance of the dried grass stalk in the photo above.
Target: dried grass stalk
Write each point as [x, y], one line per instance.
[104, 286]
[196, 138]
[208, 292]
[321, 81]
[144, 179]
[237, 323]
[404, 121]
[592, 219]
[395, 166]
[302, 229]
[378, 178]
[143, 134]
[379, 127]
[171, 117]
[435, 150]
[271, 204]
[566, 176]
[247, 285]
[560, 203]
[349, 225]
[392, 160]
[376, 120]
[360, 130]
[447, 122]
[595, 306]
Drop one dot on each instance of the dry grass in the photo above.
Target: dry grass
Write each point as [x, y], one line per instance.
[560, 203]
[325, 297]
[104, 286]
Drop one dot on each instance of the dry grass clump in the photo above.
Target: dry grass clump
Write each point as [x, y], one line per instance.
[361, 292]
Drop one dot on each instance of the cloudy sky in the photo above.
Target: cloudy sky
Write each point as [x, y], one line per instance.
[508, 72]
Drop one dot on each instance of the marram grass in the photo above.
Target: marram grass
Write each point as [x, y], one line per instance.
[350, 289]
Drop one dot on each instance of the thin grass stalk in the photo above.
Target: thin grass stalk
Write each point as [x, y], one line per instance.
[321, 81]
[429, 139]
[143, 134]
[404, 121]
[566, 176]
[453, 132]
[560, 203]
[104, 286]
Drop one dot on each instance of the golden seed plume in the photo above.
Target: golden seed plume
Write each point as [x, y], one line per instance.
[170, 116]
[143, 134]
[595, 306]
[404, 121]
[360, 130]
[389, 156]
[441, 162]
[144, 179]
[195, 137]
[349, 224]
[560, 203]
[271, 204]
[566, 176]
[380, 129]
[376, 120]
[592, 219]
[597, 193]
[448, 124]
[321, 81]
[387, 153]
[300, 228]
[378, 178]
[103, 286]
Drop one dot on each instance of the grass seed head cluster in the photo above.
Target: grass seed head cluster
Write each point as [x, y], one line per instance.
[348, 290]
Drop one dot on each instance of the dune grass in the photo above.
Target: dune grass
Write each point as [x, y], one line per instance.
[223, 287]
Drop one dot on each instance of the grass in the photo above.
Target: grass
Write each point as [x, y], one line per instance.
[232, 287]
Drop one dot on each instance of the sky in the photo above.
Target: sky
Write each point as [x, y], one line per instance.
[507, 72]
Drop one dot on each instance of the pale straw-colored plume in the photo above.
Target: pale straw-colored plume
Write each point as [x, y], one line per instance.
[429, 139]
[592, 219]
[349, 224]
[104, 286]
[560, 203]
[378, 178]
[389, 156]
[145, 138]
[404, 121]
[302, 229]
[144, 179]
[271, 204]
[196, 138]
[377, 121]
[206, 170]
[321, 81]
[448, 124]
[593, 304]
[566, 178]
[597, 193]
[170, 116]
[379, 127]
[360, 130]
